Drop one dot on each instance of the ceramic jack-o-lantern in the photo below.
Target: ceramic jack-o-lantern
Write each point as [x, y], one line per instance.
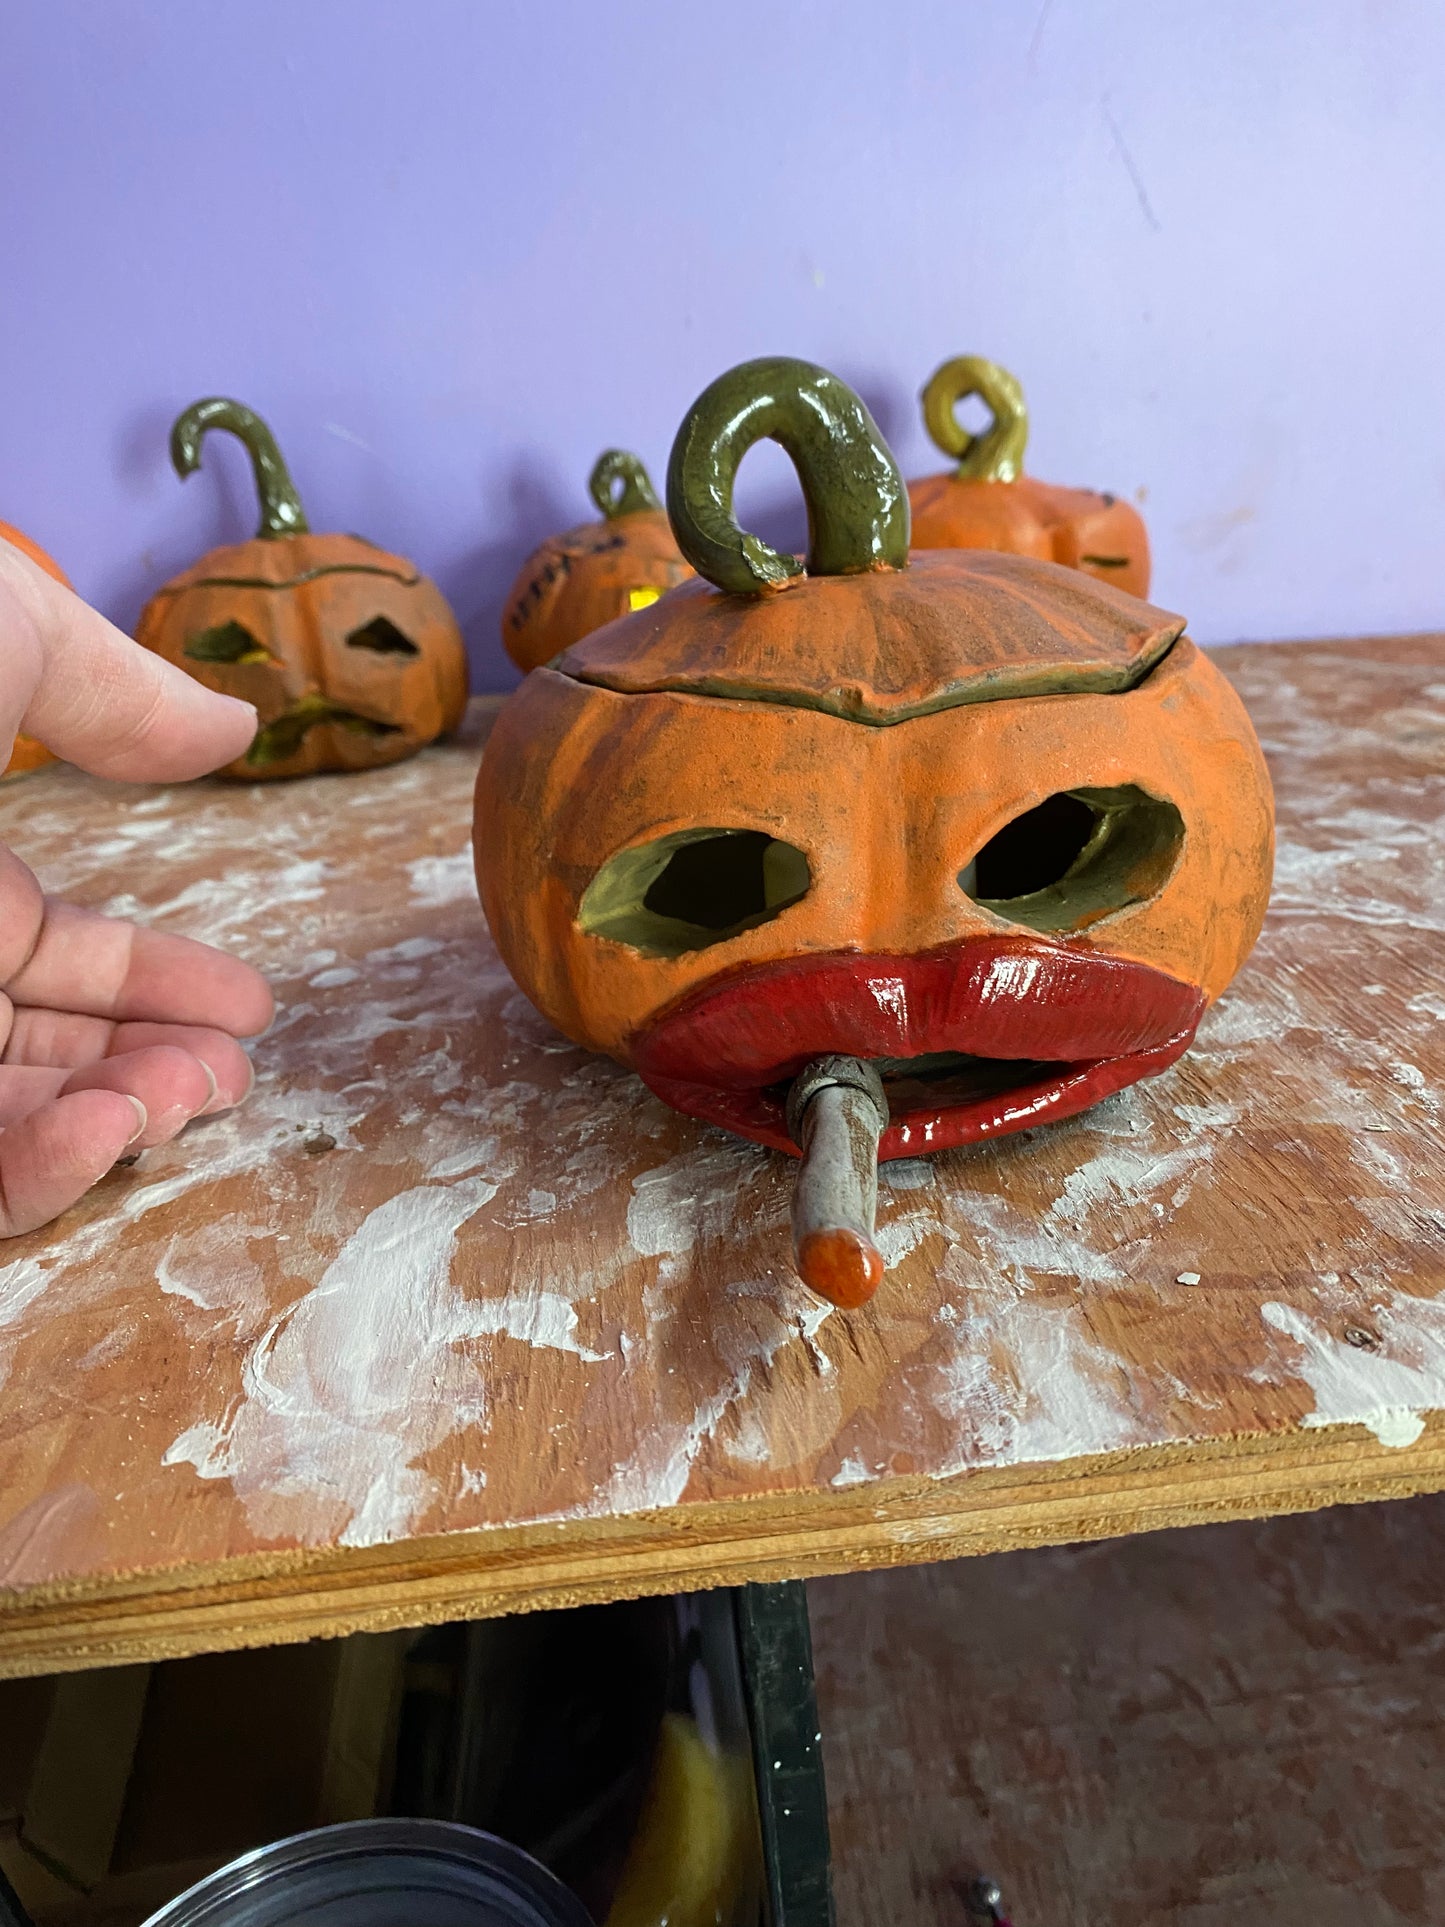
[877, 856]
[350, 655]
[27, 754]
[574, 583]
[987, 502]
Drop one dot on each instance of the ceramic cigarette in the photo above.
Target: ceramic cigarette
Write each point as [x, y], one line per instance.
[836, 1114]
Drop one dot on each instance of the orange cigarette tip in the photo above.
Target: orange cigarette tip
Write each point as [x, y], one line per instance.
[841, 1266]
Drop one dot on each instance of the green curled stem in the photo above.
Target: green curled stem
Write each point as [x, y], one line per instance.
[281, 510]
[997, 455]
[856, 499]
[637, 492]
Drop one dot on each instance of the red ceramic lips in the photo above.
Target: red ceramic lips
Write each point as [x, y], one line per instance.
[1079, 1023]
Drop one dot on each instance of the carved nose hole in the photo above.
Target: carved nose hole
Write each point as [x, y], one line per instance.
[227, 642]
[382, 636]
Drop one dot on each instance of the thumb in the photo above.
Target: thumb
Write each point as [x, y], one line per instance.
[98, 699]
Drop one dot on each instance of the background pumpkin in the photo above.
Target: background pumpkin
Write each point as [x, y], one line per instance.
[987, 502]
[26, 753]
[576, 582]
[350, 655]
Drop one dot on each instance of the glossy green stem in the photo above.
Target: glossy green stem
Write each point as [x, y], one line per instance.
[857, 502]
[637, 492]
[281, 510]
[997, 455]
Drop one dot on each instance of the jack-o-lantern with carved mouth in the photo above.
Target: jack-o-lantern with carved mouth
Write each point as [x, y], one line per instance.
[877, 856]
[987, 502]
[350, 655]
[575, 582]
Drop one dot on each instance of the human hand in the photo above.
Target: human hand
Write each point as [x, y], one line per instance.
[111, 1036]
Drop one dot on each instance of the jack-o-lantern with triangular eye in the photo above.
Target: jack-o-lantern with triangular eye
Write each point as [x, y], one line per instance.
[987, 502]
[575, 582]
[26, 752]
[350, 655]
[884, 855]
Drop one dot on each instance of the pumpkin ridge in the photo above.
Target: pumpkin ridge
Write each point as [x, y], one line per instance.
[292, 582]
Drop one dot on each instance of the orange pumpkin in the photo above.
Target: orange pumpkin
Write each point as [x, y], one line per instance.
[987, 502]
[350, 655]
[576, 582]
[994, 829]
[28, 754]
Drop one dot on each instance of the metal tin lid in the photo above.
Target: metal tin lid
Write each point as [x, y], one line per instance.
[380, 1873]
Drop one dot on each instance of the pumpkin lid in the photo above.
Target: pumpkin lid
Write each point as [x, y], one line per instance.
[265, 564]
[957, 626]
[868, 633]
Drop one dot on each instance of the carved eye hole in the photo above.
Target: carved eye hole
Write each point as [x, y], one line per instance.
[227, 642]
[692, 889]
[383, 636]
[1078, 856]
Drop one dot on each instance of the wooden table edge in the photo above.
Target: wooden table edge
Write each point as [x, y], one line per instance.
[287, 1596]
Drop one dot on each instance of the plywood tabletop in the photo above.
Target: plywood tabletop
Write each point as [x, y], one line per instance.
[452, 1318]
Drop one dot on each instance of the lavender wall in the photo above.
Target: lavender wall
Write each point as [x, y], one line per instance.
[452, 248]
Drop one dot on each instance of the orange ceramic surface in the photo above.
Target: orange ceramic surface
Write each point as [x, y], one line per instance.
[576, 582]
[987, 502]
[887, 818]
[26, 753]
[350, 655]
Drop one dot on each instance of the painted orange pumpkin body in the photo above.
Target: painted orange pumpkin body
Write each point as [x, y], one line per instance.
[995, 830]
[989, 503]
[576, 582]
[888, 795]
[27, 754]
[351, 656]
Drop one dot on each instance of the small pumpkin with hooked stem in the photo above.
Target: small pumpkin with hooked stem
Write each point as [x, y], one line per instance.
[947, 843]
[592, 574]
[26, 753]
[350, 655]
[987, 502]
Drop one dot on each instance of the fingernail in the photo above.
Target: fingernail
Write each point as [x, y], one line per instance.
[141, 1114]
[210, 1103]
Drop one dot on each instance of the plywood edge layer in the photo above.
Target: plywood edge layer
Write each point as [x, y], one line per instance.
[272, 1599]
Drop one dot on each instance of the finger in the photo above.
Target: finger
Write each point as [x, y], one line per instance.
[60, 1039]
[102, 967]
[25, 1087]
[172, 1085]
[54, 1156]
[22, 913]
[97, 698]
[231, 1070]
